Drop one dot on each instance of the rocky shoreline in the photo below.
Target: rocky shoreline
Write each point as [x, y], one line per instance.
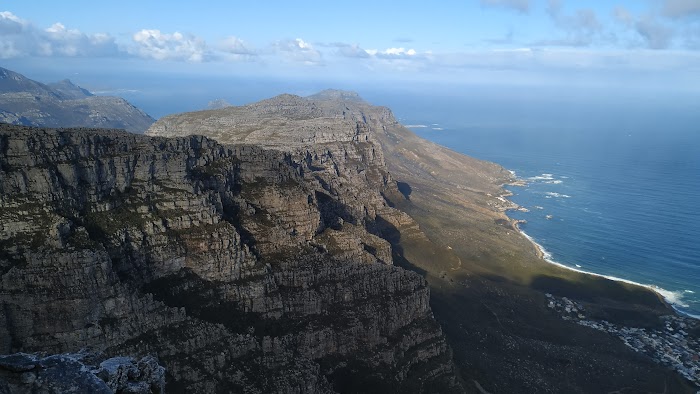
[671, 346]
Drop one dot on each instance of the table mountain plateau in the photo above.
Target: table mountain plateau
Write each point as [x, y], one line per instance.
[64, 104]
[304, 245]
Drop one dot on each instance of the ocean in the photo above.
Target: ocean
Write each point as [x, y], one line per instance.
[613, 184]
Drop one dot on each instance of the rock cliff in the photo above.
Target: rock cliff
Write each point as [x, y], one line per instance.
[244, 268]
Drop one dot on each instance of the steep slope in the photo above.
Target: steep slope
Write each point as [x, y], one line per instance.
[12, 82]
[487, 279]
[68, 90]
[244, 269]
[63, 104]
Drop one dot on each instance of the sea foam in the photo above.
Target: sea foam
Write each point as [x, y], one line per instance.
[556, 195]
[416, 126]
[543, 177]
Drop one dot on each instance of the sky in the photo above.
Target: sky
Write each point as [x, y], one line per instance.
[653, 43]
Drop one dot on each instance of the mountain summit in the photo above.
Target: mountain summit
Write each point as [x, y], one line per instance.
[68, 90]
[335, 94]
[63, 104]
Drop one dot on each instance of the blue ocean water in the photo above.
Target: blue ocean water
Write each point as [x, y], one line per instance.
[613, 187]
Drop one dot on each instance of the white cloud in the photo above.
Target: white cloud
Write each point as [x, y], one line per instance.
[12, 42]
[20, 38]
[390, 59]
[153, 44]
[395, 53]
[236, 46]
[71, 42]
[11, 24]
[353, 50]
[298, 51]
[400, 52]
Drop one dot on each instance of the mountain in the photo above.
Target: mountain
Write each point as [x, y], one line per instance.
[297, 244]
[218, 104]
[488, 281]
[68, 90]
[64, 104]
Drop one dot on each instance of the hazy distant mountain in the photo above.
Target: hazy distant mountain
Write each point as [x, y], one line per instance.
[69, 90]
[338, 95]
[64, 104]
[218, 104]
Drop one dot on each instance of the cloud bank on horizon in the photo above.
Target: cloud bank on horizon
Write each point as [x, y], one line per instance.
[643, 35]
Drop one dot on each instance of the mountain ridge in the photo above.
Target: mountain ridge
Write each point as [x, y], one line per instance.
[64, 104]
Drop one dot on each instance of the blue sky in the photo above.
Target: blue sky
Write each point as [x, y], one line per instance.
[656, 42]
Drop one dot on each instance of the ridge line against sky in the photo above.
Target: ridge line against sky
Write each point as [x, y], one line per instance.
[413, 39]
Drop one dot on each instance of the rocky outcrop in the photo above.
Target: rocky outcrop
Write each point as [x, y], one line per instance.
[80, 373]
[64, 104]
[241, 267]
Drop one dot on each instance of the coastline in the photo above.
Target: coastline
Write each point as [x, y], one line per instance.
[667, 295]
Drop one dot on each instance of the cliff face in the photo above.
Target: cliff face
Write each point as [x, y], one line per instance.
[243, 268]
[63, 104]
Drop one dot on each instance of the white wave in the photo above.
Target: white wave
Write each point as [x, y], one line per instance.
[554, 182]
[675, 298]
[557, 195]
[416, 126]
[115, 92]
[543, 177]
[438, 128]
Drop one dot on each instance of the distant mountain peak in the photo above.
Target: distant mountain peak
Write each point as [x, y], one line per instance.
[218, 104]
[337, 94]
[12, 82]
[68, 90]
